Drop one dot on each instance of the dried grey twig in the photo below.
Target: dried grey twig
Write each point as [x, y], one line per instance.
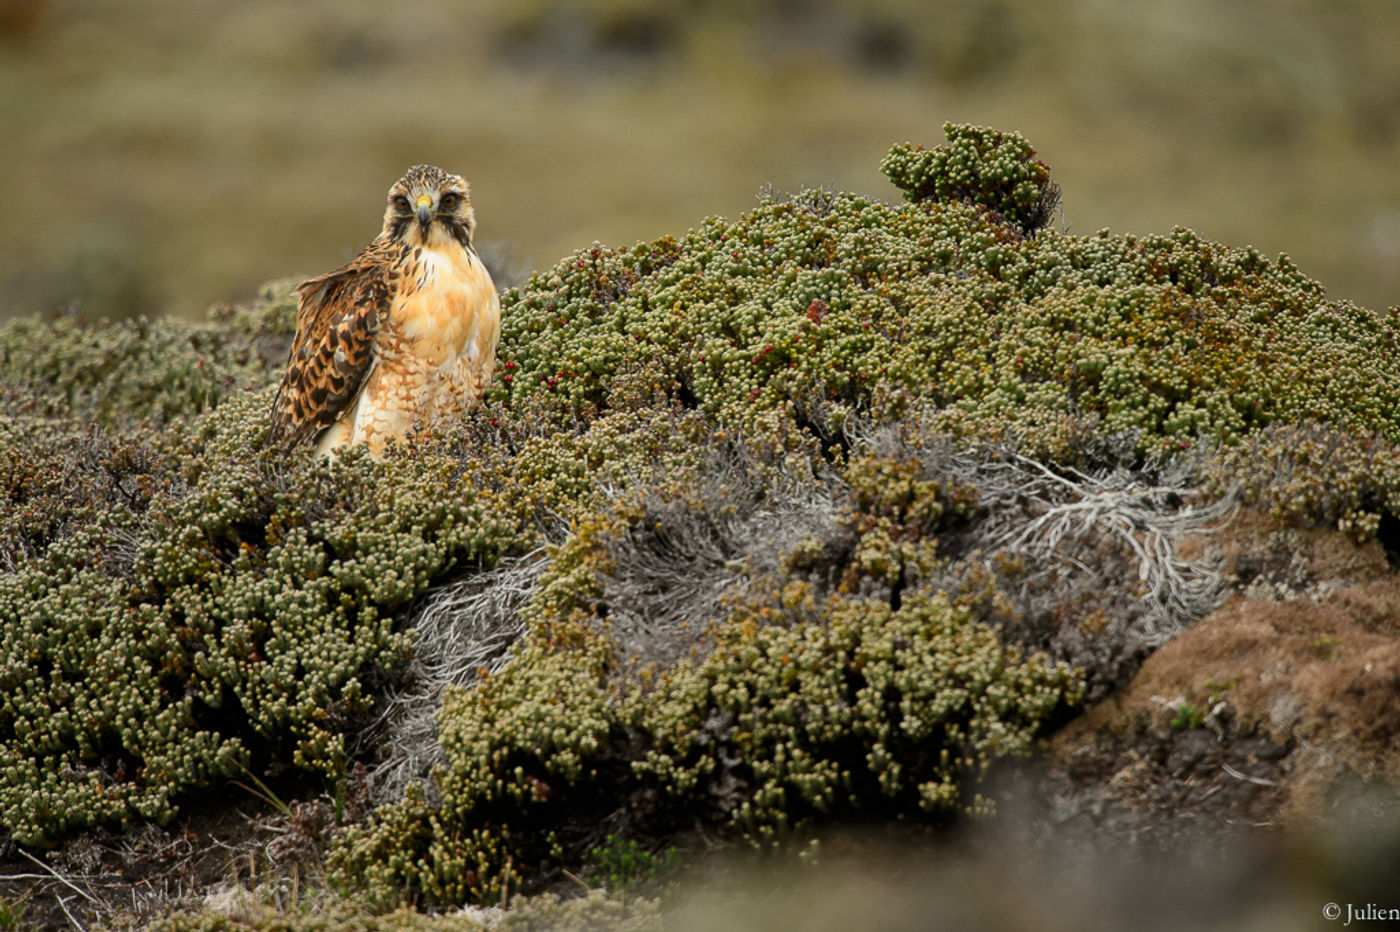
[99, 905]
[672, 569]
[463, 628]
[1062, 515]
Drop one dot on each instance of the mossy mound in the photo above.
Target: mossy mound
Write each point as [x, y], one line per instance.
[784, 484]
[809, 697]
[807, 310]
[223, 618]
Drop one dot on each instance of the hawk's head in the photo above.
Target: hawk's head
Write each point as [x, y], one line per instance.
[427, 207]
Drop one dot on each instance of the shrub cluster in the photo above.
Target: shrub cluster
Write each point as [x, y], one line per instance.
[982, 166]
[1311, 474]
[225, 614]
[809, 308]
[140, 369]
[792, 708]
[761, 645]
[810, 634]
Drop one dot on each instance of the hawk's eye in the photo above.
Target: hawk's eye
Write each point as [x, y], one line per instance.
[450, 201]
[401, 203]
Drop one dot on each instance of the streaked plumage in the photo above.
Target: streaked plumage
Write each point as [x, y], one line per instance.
[402, 337]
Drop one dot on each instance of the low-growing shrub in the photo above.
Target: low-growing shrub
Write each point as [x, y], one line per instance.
[982, 166]
[139, 369]
[228, 619]
[792, 708]
[814, 307]
[751, 611]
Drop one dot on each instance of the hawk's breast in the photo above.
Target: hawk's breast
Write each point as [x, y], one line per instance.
[445, 299]
[435, 354]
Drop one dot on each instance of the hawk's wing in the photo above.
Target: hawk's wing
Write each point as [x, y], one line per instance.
[337, 319]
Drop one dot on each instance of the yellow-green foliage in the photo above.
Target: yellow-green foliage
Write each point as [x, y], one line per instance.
[835, 299]
[225, 617]
[979, 165]
[844, 707]
[1311, 475]
[896, 514]
[143, 369]
[795, 707]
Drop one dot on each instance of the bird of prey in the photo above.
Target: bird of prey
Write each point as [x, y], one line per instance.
[403, 337]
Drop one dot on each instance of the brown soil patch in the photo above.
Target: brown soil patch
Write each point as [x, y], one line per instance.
[1266, 561]
[1254, 715]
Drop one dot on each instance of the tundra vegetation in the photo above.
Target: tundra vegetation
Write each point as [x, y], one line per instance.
[810, 518]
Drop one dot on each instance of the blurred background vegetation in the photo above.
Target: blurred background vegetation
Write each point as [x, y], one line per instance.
[163, 155]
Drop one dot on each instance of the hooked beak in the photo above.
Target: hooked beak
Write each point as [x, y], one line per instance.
[425, 211]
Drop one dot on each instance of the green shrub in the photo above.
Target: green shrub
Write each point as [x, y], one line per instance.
[1311, 474]
[845, 707]
[793, 709]
[805, 310]
[228, 619]
[622, 862]
[57, 477]
[140, 369]
[982, 166]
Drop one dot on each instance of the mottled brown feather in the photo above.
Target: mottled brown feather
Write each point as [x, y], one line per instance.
[337, 319]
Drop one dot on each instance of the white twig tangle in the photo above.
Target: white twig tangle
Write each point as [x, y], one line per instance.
[461, 629]
[1147, 520]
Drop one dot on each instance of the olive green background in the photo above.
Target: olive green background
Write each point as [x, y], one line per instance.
[160, 156]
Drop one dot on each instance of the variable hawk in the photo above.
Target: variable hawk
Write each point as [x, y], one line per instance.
[403, 337]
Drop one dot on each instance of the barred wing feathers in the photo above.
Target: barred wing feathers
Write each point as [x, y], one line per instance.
[338, 320]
